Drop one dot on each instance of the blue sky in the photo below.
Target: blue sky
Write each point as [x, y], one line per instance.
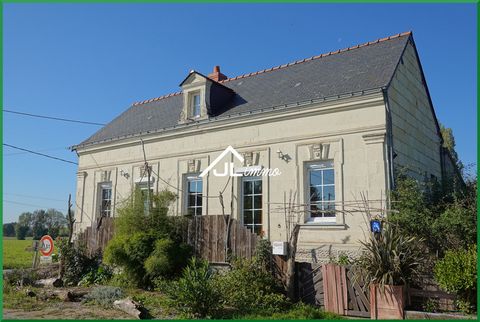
[91, 61]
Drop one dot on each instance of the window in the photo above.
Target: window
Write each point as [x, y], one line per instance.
[143, 186]
[196, 105]
[193, 195]
[252, 203]
[106, 200]
[321, 189]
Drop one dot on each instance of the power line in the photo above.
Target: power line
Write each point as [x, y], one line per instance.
[53, 118]
[32, 197]
[38, 153]
[30, 205]
[42, 150]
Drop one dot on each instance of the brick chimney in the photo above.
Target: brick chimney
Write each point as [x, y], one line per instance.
[216, 75]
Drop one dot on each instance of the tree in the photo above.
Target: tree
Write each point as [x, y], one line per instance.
[21, 231]
[54, 222]
[449, 144]
[9, 229]
[38, 227]
[42, 222]
[26, 220]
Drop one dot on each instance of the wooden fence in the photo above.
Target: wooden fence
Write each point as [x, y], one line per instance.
[209, 238]
[96, 237]
[206, 234]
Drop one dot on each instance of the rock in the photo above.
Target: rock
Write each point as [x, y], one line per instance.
[131, 307]
[64, 295]
[48, 282]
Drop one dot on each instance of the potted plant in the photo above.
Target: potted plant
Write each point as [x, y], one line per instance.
[389, 262]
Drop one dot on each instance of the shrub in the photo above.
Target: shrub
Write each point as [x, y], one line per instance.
[105, 295]
[98, 276]
[457, 273]
[341, 259]
[75, 262]
[263, 254]
[195, 293]
[390, 258]
[122, 280]
[249, 286]
[167, 258]
[444, 220]
[147, 247]
[130, 254]
[457, 227]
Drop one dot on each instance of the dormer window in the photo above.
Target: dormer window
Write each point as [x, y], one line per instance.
[196, 106]
[203, 96]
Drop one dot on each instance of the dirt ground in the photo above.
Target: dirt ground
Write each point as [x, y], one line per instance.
[65, 310]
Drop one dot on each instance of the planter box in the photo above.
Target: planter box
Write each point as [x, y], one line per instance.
[387, 303]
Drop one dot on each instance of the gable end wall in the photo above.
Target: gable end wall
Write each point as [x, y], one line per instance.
[415, 137]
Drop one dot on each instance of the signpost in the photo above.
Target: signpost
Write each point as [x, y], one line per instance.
[34, 249]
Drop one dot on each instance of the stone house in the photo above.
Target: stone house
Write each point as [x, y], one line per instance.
[333, 128]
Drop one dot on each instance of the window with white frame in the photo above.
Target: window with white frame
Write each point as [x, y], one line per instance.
[193, 195]
[252, 203]
[195, 105]
[321, 190]
[105, 199]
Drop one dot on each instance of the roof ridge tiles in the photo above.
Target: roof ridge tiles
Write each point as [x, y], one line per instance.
[379, 40]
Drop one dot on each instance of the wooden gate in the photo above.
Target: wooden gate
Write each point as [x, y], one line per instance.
[333, 287]
[358, 296]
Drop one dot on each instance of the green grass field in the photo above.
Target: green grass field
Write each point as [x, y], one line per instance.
[15, 255]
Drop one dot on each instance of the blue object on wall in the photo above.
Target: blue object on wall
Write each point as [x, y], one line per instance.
[375, 226]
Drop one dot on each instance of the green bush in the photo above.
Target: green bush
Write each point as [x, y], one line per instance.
[457, 273]
[444, 220]
[456, 227]
[98, 276]
[249, 286]
[104, 295]
[147, 247]
[76, 262]
[195, 293]
[167, 258]
[122, 280]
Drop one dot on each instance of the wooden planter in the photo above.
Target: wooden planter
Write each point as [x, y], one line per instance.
[387, 303]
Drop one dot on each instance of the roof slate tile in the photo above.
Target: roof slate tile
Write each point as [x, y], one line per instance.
[357, 68]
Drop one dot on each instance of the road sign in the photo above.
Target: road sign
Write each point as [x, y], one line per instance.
[46, 245]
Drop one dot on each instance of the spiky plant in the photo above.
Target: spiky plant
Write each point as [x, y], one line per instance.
[390, 258]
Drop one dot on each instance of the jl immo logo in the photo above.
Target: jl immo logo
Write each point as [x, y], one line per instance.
[229, 170]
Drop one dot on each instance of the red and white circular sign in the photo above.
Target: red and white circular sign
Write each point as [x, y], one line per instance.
[46, 245]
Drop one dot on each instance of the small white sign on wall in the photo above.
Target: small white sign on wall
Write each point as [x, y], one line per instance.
[279, 248]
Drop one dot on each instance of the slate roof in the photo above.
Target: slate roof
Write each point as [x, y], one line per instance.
[354, 69]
